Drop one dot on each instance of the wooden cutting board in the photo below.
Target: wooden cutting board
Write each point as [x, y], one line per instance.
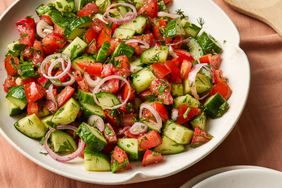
[268, 11]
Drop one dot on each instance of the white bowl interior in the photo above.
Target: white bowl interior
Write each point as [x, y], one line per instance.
[235, 67]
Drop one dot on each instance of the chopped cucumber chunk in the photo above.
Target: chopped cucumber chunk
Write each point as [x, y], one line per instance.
[31, 126]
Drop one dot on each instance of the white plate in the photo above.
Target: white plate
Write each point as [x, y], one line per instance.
[243, 178]
[235, 66]
[213, 172]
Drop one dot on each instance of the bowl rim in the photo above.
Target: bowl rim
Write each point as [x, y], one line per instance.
[132, 178]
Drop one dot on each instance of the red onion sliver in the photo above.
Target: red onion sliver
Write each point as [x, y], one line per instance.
[174, 114]
[157, 116]
[97, 89]
[57, 58]
[97, 121]
[53, 99]
[170, 15]
[138, 128]
[92, 83]
[171, 52]
[192, 78]
[127, 17]
[145, 44]
[180, 42]
[64, 158]
[43, 28]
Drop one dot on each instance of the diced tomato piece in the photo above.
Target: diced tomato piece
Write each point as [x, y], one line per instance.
[218, 77]
[37, 55]
[111, 86]
[184, 55]
[52, 43]
[151, 157]
[160, 70]
[113, 44]
[47, 19]
[125, 92]
[206, 58]
[49, 96]
[172, 65]
[159, 86]
[78, 76]
[200, 137]
[216, 61]
[42, 80]
[123, 66]
[186, 113]
[119, 160]
[168, 2]
[65, 95]
[104, 36]
[9, 82]
[150, 140]
[32, 108]
[161, 109]
[88, 10]
[10, 65]
[51, 106]
[213, 60]
[94, 69]
[166, 98]
[98, 25]
[110, 134]
[222, 88]
[59, 30]
[185, 68]
[89, 35]
[113, 117]
[82, 84]
[33, 92]
[114, 26]
[108, 69]
[28, 80]
[150, 8]
[92, 47]
[26, 28]
[128, 119]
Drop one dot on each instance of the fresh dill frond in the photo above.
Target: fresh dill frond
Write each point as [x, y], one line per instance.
[201, 21]
[181, 13]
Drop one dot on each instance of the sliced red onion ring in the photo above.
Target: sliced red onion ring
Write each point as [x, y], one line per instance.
[158, 123]
[145, 44]
[127, 17]
[64, 158]
[53, 99]
[43, 28]
[97, 121]
[171, 52]
[170, 15]
[180, 42]
[138, 128]
[97, 89]
[192, 78]
[92, 83]
[174, 114]
[55, 59]
[122, 131]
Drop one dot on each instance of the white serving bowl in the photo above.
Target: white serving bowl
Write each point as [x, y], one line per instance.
[235, 67]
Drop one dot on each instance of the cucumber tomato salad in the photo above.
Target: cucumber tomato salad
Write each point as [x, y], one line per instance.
[114, 81]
